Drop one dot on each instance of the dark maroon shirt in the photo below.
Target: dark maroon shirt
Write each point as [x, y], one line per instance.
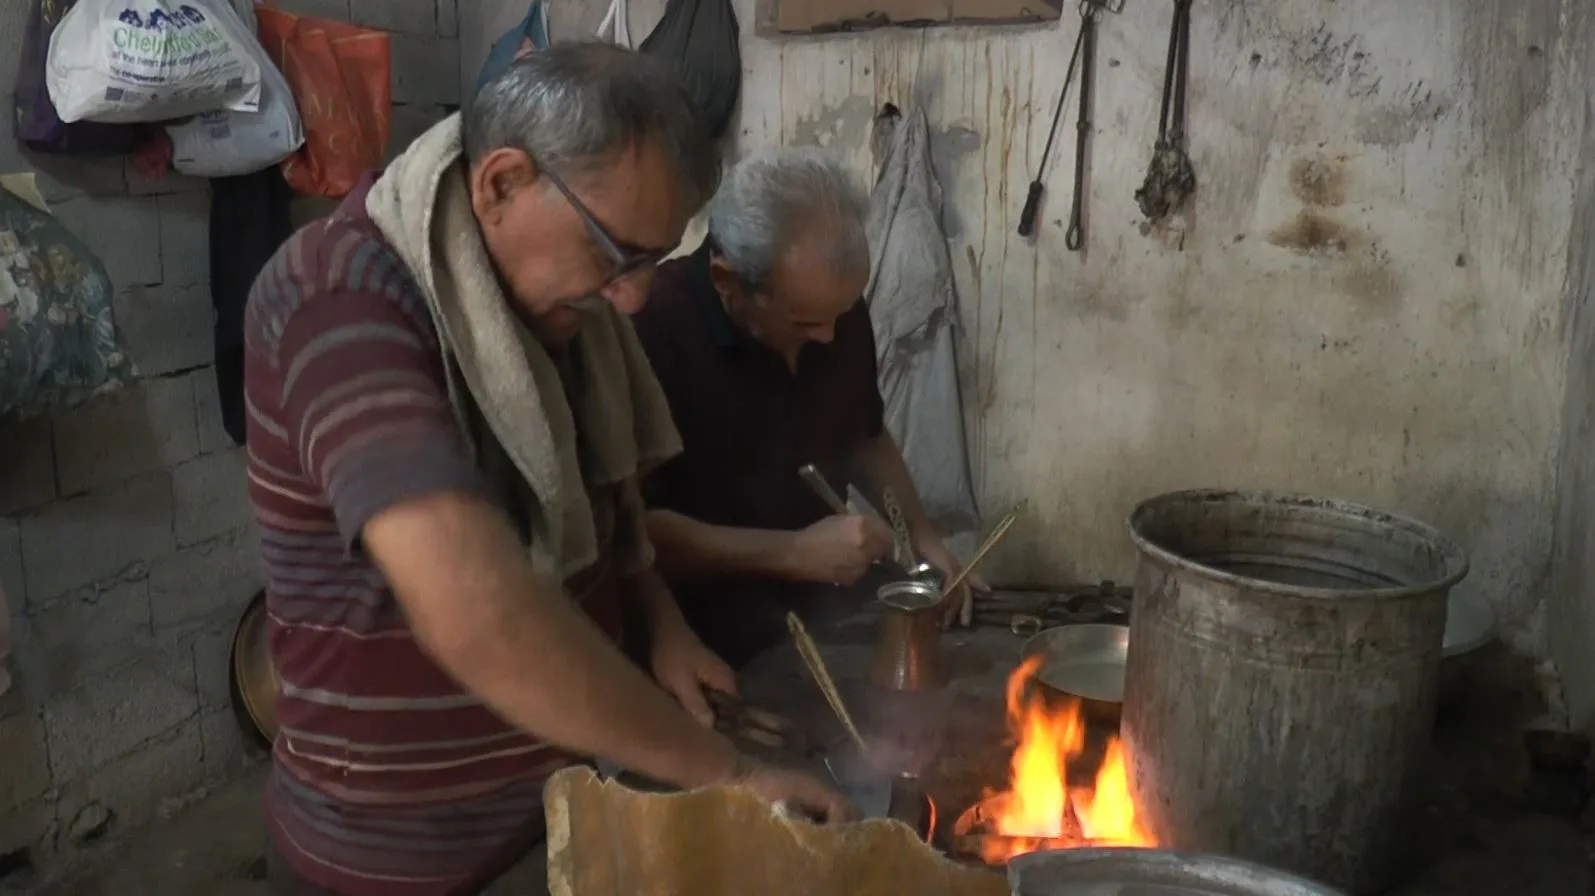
[747, 423]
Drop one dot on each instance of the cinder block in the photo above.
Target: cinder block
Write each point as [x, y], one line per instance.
[24, 765]
[409, 122]
[426, 69]
[208, 412]
[185, 238]
[64, 178]
[11, 565]
[27, 465]
[167, 768]
[83, 540]
[166, 329]
[171, 182]
[109, 717]
[203, 582]
[227, 755]
[81, 636]
[448, 18]
[29, 825]
[337, 10]
[119, 230]
[212, 651]
[211, 495]
[131, 431]
[401, 16]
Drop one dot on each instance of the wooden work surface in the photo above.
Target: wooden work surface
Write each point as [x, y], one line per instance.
[973, 753]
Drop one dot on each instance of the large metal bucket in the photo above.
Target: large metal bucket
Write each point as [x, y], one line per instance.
[1281, 681]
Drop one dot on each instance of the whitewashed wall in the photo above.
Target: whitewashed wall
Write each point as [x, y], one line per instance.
[1366, 302]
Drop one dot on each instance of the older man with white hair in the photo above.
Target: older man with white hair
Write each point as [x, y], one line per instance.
[764, 348]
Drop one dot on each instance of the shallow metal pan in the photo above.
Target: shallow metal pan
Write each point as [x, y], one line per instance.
[1084, 661]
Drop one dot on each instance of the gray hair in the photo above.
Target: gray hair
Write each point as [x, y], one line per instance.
[771, 197]
[574, 106]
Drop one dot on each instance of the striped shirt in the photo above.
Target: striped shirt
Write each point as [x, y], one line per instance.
[387, 778]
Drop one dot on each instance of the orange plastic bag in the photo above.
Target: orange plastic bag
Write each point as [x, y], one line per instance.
[339, 75]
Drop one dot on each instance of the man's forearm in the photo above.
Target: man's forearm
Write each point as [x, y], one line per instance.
[686, 549]
[521, 646]
[878, 467]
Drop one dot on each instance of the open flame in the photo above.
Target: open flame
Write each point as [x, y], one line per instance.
[1039, 810]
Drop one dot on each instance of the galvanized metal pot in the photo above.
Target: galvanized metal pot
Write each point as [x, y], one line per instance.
[1281, 680]
[1079, 872]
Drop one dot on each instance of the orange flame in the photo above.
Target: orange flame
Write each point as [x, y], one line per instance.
[1037, 809]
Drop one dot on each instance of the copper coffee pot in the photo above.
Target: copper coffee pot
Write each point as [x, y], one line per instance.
[908, 655]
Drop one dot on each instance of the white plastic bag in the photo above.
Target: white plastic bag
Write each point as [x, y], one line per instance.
[616, 26]
[124, 61]
[222, 143]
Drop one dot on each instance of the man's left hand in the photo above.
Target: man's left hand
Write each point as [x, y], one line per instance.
[683, 666]
[960, 604]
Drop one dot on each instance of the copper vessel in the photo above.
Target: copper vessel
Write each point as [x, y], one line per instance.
[908, 654]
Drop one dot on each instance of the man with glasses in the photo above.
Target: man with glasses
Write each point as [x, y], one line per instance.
[432, 672]
[764, 348]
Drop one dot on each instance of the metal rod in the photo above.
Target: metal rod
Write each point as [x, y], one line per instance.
[817, 483]
[822, 677]
[985, 548]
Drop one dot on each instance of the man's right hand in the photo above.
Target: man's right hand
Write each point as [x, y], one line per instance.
[839, 550]
[773, 783]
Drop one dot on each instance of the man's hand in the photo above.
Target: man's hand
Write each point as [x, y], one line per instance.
[813, 796]
[683, 666]
[839, 550]
[961, 603]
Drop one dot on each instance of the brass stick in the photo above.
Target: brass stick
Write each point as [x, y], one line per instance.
[822, 677]
[985, 548]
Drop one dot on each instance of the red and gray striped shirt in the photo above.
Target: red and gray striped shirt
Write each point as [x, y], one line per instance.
[388, 779]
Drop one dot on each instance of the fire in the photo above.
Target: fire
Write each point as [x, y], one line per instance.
[1039, 810]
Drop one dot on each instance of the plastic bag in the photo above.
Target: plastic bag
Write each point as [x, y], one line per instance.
[58, 344]
[339, 77]
[149, 60]
[222, 143]
[700, 41]
[616, 26]
[527, 37]
[38, 127]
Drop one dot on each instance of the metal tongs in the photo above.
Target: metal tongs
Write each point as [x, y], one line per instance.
[750, 724]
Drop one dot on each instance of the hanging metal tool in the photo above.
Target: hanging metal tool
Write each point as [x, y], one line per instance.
[1085, 51]
[1170, 179]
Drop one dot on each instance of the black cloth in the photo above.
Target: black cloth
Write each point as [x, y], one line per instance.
[747, 423]
[249, 220]
[701, 43]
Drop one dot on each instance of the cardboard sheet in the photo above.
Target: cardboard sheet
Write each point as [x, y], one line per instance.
[605, 839]
[801, 16]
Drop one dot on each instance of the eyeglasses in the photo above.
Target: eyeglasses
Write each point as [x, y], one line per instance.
[624, 260]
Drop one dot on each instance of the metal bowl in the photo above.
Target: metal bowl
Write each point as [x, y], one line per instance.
[251, 680]
[1084, 661]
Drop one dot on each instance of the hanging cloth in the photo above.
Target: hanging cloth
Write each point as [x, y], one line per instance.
[913, 305]
[525, 38]
[249, 220]
[700, 41]
[616, 26]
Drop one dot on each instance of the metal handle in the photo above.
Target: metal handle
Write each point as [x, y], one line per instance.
[817, 483]
[1027, 216]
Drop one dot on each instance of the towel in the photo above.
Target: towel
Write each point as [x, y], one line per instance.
[586, 421]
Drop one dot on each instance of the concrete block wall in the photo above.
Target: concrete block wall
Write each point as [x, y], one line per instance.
[127, 545]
